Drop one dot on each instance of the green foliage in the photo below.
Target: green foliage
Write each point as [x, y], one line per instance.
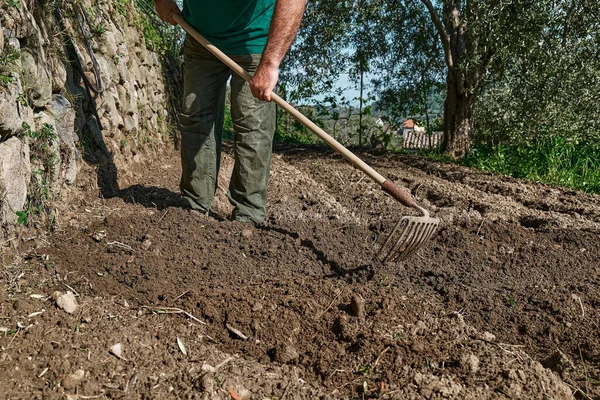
[153, 37]
[13, 3]
[366, 369]
[228, 133]
[22, 217]
[549, 160]
[8, 60]
[525, 64]
[42, 151]
[291, 131]
[5, 80]
[550, 84]
[159, 37]
[122, 7]
[43, 137]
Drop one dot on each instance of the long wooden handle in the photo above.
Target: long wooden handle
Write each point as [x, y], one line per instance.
[386, 185]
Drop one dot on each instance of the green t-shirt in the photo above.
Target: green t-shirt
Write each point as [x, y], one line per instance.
[234, 26]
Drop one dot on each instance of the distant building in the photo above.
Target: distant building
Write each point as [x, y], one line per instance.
[416, 137]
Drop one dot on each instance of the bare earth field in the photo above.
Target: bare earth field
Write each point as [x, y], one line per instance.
[503, 303]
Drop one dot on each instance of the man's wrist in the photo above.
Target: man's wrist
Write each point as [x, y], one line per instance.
[270, 63]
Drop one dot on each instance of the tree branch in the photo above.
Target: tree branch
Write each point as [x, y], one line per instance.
[445, 38]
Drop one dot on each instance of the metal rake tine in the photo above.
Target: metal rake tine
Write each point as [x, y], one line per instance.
[389, 238]
[391, 251]
[406, 245]
[429, 231]
[429, 228]
[383, 251]
[404, 242]
[410, 244]
[419, 230]
[434, 228]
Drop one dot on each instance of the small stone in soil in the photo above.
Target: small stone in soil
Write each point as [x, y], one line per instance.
[73, 380]
[66, 301]
[247, 233]
[117, 350]
[208, 383]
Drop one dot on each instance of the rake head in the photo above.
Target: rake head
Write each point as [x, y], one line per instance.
[410, 233]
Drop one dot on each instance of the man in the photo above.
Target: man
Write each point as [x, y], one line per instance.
[256, 34]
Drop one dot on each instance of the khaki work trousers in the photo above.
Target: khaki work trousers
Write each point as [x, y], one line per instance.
[201, 123]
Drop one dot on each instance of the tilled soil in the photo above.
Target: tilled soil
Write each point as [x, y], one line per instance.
[502, 303]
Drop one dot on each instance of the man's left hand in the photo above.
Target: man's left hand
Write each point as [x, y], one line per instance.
[264, 81]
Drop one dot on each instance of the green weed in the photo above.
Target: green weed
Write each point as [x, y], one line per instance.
[14, 3]
[22, 217]
[122, 7]
[8, 60]
[39, 195]
[366, 369]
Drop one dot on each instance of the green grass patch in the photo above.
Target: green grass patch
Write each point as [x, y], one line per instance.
[554, 161]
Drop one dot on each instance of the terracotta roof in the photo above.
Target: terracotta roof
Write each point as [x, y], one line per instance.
[408, 124]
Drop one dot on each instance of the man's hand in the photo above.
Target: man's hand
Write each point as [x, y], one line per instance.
[284, 25]
[264, 81]
[166, 9]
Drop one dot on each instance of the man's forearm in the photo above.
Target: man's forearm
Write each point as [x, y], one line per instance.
[284, 26]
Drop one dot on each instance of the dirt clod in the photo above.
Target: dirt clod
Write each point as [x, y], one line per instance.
[357, 306]
[19, 305]
[73, 380]
[208, 383]
[559, 362]
[285, 353]
[470, 363]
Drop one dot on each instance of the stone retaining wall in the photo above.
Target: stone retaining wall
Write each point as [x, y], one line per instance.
[48, 127]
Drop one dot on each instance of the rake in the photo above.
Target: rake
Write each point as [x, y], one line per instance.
[411, 232]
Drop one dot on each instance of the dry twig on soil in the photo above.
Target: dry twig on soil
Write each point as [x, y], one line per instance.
[92, 397]
[222, 363]
[331, 304]
[164, 215]
[74, 291]
[173, 310]
[379, 356]
[236, 332]
[120, 245]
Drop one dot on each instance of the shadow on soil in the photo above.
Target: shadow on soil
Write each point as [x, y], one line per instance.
[149, 196]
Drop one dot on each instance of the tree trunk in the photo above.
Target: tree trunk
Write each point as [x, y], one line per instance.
[360, 116]
[428, 131]
[458, 118]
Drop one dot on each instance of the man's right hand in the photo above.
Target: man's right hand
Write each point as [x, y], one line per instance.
[166, 9]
